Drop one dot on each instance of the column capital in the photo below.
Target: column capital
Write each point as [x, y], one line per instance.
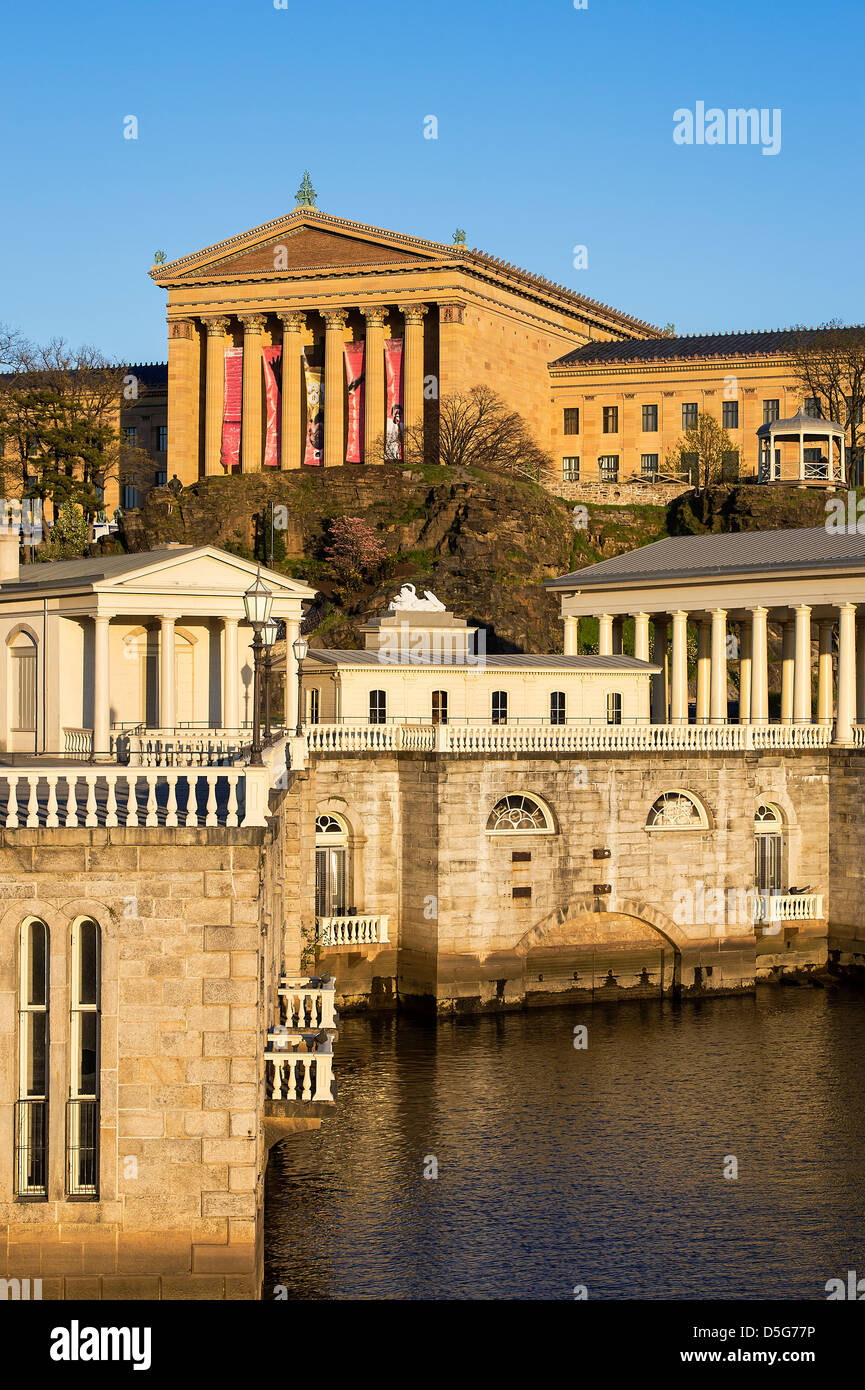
[680, 613]
[804, 607]
[413, 313]
[719, 612]
[292, 320]
[216, 324]
[375, 314]
[252, 323]
[758, 611]
[180, 328]
[335, 318]
[845, 607]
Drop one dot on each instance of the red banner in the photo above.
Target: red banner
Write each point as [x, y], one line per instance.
[314, 414]
[232, 409]
[393, 358]
[354, 377]
[272, 362]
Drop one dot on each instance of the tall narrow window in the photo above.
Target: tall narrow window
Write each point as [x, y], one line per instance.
[500, 707]
[557, 707]
[650, 419]
[82, 1127]
[614, 707]
[377, 707]
[23, 655]
[690, 410]
[331, 866]
[31, 1109]
[313, 696]
[610, 419]
[771, 411]
[608, 466]
[730, 415]
[572, 419]
[439, 707]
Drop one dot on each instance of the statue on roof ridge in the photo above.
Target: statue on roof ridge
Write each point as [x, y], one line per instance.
[306, 194]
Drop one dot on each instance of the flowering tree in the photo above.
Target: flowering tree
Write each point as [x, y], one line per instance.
[354, 548]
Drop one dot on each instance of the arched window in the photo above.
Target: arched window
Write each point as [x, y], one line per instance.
[558, 706]
[22, 656]
[519, 812]
[677, 810]
[331, 866]
[500, 707]
[377, 707]
[82, 1129]
[31, 1110]
[769, 849]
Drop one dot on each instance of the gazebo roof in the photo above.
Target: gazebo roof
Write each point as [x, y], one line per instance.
[800, 423]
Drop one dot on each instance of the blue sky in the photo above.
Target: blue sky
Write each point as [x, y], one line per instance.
[554, 130]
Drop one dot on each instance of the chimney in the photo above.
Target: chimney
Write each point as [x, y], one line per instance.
[9, 542]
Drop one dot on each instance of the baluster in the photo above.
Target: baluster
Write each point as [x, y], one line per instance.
[91, 817]
[231, 817]
[151, 817]
[210, 818]
[71, 799]
[306, 1065]
[51, 817]
[131, 798]
[171, 807]
[33, 800]
[12, 803]
[191, 817]
[111, 798]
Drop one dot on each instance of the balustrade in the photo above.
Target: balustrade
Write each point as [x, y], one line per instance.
[120, 796]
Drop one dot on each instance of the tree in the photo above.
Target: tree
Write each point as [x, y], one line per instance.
[700, 452]
[354, 549]
[476, 429]
[829, 363]
[70, 534]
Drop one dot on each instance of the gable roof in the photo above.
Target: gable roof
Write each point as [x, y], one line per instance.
[101, 570]
[700, 347]
[516, 661]
[732, 553]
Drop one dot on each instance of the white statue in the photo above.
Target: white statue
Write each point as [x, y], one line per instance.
[407, 600]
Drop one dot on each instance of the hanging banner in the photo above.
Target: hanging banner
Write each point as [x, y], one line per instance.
[393, 358]
[232, 409]
[354, 376]
[314, 415]
[272, 362]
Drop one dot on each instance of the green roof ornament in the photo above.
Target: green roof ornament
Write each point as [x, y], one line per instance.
[306, 194]
[459, 237]
[159, 258]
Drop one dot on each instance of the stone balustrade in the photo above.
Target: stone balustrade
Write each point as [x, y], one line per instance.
[788, 907]
[299, 1068]
[308, 1002]
[120, 796]
[359, 930]
[78, 743]
[182, 747]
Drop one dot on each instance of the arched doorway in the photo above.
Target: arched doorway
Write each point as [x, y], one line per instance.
[332, 881]
[579, 952]
[770, 849]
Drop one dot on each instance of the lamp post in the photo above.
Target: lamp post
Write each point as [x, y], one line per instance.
[269, 634]
[257, 603]
[300, 647]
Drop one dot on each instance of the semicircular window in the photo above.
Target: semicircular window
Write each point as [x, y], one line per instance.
[677, 810]
[519, 812]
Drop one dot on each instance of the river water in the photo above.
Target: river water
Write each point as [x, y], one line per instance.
[601, 1167]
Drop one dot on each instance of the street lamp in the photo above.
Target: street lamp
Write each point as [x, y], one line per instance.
[300, 647]
[269, 635]
[257, 602]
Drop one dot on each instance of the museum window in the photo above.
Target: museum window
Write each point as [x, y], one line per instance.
[500, 707]
[31, 1107]
[690, 411]
[439, 707]
[313, 705]
[650, 419]
[614, 707]
[608, 467]
[730, 415]
[769, 849]
[811, 406]
[520, 812]
[771, 411]
[377, 707]
[160, 478]
[22, 654]
[162, 439]
[649, 465]
[82, 1110]
[677, 810]
[519, 891]
[571, 420]
[130, 500]
[571, 470]
[331, 866]
[131, 435]
[610, 419]
[557, 707]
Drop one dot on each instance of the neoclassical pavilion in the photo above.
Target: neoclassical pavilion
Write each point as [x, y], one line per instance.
[809, 582]
[811, 433]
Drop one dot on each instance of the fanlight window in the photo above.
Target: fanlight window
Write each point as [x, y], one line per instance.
[768, 818]
[677, 810]
[330, 828]
[519, 813]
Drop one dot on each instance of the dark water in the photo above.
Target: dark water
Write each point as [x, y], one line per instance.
[601, 1167]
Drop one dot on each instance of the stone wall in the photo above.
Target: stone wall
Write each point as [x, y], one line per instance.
[847, 922]
[617, 494]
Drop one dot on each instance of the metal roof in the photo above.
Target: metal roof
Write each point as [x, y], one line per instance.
[50, 574]
[700, 346]
[517, 661]
[802, 423]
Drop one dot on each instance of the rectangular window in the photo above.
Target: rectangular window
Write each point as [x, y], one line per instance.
[650, 419]
[521, 856]
[608, 466]
[24, 686]
[730, 415]
[131, 434]
[611, 419]
[571, 470]
[770, 411]
[130, 497]
[439, 707]
[521, 893]
[31, 1108]
[500, 707]
[649, 465]
[690, 411]
[811, 406]
[313, 700]
[377, 707]
[161, 477]
[614, 707]
[571, 420]
[557, 707]
[162, 439]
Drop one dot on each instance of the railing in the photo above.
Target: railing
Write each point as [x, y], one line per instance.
[308, 1002]
[563, 738]
[176, 747]
[788, 907]
[859, 735]
[361, 930]
[78, 743]
[299, 1068]
[31, 1147]
[364, 738]
[119, 796]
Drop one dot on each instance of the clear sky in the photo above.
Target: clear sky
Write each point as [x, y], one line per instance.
[555, 129]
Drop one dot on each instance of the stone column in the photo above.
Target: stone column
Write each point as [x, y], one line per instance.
[292, 349]
[230, 675]
[659, 682]
[250, 426]
[679, 682]
[184, 399]
[860, 673]
[101, 687]
[572, 636]
[292, 632]
[718, 710]
[641, 636]
[214, 391]
[846, 674]
[334, 387]
[759, 667]
[745, 648]
[167, 713]
[704, 669]
[413, 364]
[802, 679]
[788, 662]
[373, 392]
[824, 674]
[605, 634]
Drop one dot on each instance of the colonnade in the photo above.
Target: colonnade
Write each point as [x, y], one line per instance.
[843, 702]
[294, 323]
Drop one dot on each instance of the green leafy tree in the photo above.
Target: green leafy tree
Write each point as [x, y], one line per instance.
[700, 453]
[70, 534]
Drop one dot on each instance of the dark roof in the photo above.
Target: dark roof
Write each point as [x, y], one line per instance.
[519, 661]
[738, 552]
[699, 347]
[151, 373]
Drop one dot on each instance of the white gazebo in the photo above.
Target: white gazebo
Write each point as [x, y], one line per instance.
[804, 428]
